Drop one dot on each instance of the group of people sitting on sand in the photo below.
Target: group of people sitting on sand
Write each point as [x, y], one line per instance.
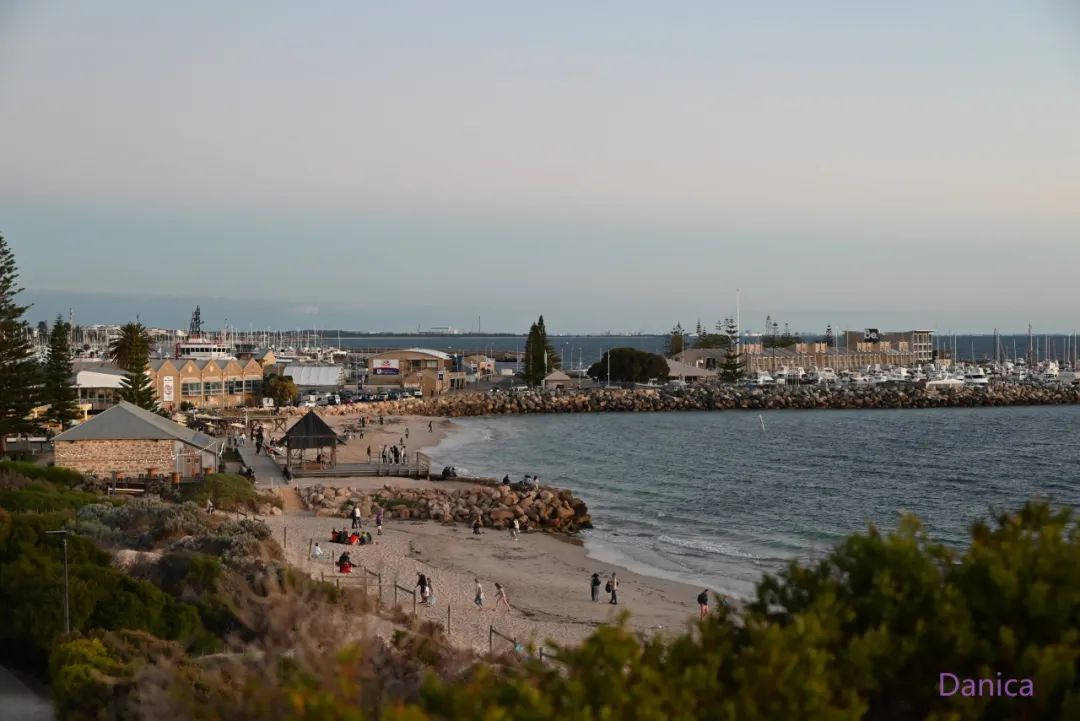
[353, 538]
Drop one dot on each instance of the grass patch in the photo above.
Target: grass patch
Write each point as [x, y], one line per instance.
[52, 474]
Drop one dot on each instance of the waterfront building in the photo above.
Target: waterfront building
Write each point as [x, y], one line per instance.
[97, 385]
[131, 441]
[555, 380]
[432, 371]
[207, 383]
[314, 378]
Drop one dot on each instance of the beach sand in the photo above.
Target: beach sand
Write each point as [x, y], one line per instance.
[391, 432]
[546, 576]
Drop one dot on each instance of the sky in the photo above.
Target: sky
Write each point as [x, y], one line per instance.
[612, 165]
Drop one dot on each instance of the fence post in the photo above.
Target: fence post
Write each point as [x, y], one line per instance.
[310, 541]
[285, 537]
[380, 589]
[541, 655]
[414, 602]
[491, 638]
[395, 594]
[448, 619]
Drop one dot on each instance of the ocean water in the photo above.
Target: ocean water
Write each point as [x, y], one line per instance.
[713, 498]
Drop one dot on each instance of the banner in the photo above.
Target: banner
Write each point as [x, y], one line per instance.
[386, 367]
[871, 335]
[167, 389]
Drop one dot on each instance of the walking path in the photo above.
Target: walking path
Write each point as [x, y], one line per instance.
[267, 471]
[19, 702]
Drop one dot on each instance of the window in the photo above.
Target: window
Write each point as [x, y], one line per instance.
[191, 389]
[253, 385]
[234, 387]
[212, 388]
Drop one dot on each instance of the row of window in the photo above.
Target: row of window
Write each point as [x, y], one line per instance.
[212, 388]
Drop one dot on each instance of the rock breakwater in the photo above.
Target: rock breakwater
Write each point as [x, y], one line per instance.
[548, 509]
[717, 397]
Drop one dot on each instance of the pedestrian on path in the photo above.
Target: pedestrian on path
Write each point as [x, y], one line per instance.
[514, 528]
[500, 597]
[612, 587]
[703, 603]
[429, 429]
[594, 586]
[356, 517]
[378, 521]
[406, 431]
[478, 599]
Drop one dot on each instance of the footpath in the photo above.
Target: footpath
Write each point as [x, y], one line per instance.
[267, 471]
[19, 702]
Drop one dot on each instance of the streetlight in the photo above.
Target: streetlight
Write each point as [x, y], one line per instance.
[67, 604]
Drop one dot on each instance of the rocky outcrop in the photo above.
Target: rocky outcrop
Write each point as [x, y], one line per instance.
[717, 397]
[548, 509]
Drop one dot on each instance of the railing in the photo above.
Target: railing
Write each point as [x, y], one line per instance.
[492, 633]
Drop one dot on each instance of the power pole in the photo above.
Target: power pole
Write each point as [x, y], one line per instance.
[67, 602]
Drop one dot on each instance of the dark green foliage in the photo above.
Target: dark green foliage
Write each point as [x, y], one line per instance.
[229, 491]
[280, 388]
[20, 376]
[83, 674]
[733, 367]
[53, 474]
[630, 365]
[676, 340]
[131, 352]
[540, 358]
[42, 498]
[57, 390]
[712, 340]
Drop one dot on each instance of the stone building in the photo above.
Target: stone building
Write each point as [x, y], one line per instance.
[133, 442]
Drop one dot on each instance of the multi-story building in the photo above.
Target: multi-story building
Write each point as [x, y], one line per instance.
[207, 383]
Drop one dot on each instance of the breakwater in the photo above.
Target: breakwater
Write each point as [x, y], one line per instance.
[718, 397]
[550, 509]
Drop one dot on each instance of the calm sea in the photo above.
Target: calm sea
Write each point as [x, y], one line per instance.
[712, 498]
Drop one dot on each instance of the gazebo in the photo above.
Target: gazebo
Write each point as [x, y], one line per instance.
[309, 432]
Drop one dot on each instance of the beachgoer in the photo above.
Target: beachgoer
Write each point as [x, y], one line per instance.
[514, 528]
[258, 446]
[430, 591]
[506, 480]
[367, 535]
[406, 431]
[369, 454]
[356, 517]
[422, 584]
[378, 521]
[317, 553]
[380, 419]
[612, 587]
[209, 507]
[500, 597]
[703, 603]
[429, 426]
[478, 599]
[476, 526]
[594, 586]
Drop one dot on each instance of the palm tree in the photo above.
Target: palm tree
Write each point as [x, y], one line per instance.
[133, 342]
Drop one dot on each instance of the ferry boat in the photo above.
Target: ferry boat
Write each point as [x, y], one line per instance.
[199, 347]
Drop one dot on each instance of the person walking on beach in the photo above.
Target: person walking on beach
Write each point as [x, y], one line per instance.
[356, 517]
[369, 454]
[378, 522]
[422, 584]
[429, 430]
[703, 603]
[430, 592]
[478, 599]
[612, 587]
[209, 507]
[594, 586]
[380, 419]
[406, 431]
[476, 526]
[500, 597]
[317, 553]
[514, 528]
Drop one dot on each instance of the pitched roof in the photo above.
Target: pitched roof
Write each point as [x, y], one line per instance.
[311, 431]
[556, 376]
[315, 375]
[126, 421]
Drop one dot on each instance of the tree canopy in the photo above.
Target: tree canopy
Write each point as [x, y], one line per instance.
[676, 340]
[280, 388]
[630, 365]
[20, 376]
[540, 358]
[57, 390]
[733, 367]
[131, 352]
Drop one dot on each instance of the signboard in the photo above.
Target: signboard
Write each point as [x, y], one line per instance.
[167, 389]
[872, 335]
[386, 367]
[442, 375]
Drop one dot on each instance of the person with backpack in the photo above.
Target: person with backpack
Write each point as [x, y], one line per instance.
[703, 603]
[612, 587]
[594, 586]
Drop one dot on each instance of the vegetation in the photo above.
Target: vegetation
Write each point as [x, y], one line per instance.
[703, 339]
[676, 340]
[733, 368]
[19, 373]
[540, 357]
[281, 389]
[630, 365]
[53, 474]
[773, 338]
[57, 390]
[131, 352]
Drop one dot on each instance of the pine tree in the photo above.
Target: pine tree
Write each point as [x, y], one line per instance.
[131, 352]
[733, 368]
[677, 340]
[57, 390]
[20, 375]
[540, 357]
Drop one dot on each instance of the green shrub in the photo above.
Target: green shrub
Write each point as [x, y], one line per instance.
[53, 474]
[229, 491]
[43, 497]
[83, 674]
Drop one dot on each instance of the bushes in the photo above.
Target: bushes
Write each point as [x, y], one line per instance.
[140, 524]
[83, 674]
[53, 474]
[231, 492]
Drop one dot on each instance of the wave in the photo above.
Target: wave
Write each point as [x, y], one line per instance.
[722, 549]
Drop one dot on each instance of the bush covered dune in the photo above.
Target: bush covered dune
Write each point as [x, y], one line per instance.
[204, 622]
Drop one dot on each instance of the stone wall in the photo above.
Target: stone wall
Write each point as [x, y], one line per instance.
[101, 458]
[549, 509]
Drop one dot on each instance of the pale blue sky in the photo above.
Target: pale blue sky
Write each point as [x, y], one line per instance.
[613, 165]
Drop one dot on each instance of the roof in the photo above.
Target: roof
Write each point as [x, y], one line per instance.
[427, 351]
[100, 377]
[677, 369]
[556, 376]
[311, 431]
[126, 422]
[315, 375]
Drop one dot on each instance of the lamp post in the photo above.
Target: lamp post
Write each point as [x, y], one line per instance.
[67, 603]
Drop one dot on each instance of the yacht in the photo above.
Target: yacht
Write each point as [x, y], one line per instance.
[763, 379]
[822, 375]
[975, 376]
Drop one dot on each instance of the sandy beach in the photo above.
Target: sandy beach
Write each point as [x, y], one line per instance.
[394, 430]
[546, 576]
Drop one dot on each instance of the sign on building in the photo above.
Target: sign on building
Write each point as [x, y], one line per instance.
[167, 389]
[872, 335]
[386, 367]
